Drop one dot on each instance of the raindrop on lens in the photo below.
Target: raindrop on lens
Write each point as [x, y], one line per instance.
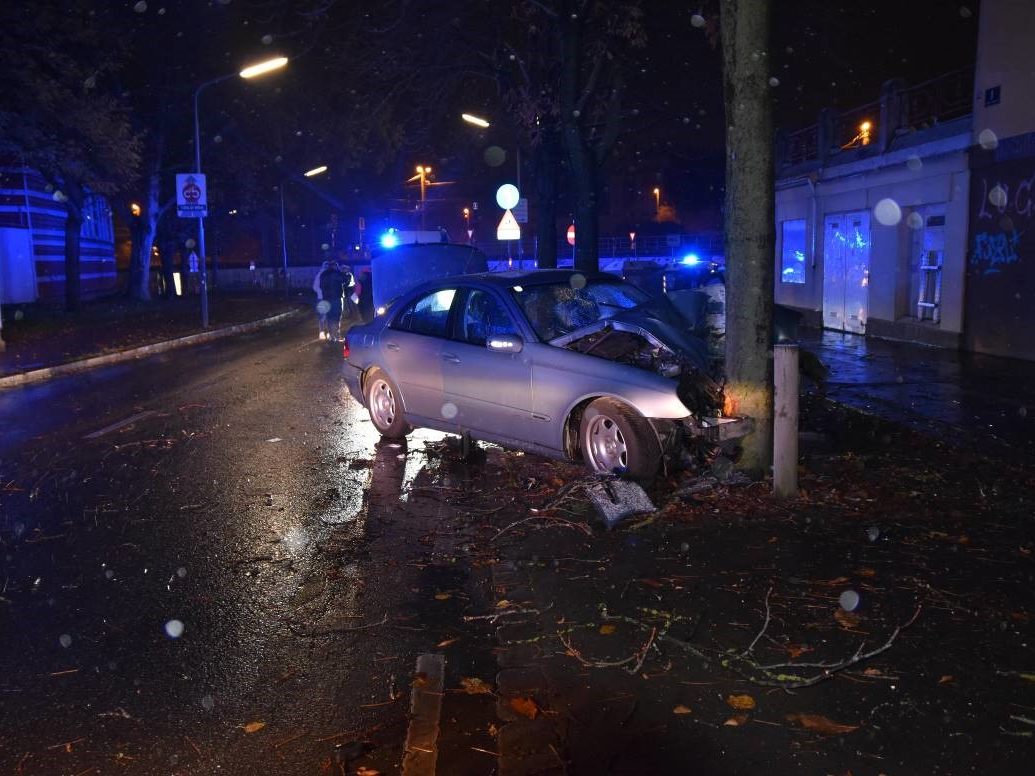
[915, 221]
[849, 600]
[494, 156]
[174, 629]
[987, 139]
[449, 410]
[697, 21]
[914, 163]
[997, 196]
[140, 7]
[217, 139]
[267, 40]
[65, 640]
[181, 572]
[578, 280]
[109, 574]
[190, 242]
[208, 703]
[873, 533]
[1023, 412]
[887, 212]
[774, 81]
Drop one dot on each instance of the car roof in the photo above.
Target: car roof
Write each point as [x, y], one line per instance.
[519, 278]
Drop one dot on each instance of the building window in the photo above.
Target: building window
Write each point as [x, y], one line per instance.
[792, 251]
[97, 219]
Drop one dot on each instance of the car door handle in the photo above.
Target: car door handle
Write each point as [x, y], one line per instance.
[391, 346]
[450, 358]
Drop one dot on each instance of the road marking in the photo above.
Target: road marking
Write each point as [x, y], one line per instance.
[425, 711]
[126, 422]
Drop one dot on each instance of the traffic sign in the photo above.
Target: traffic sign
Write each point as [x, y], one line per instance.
[508, 228]
[192, 261]
[507, 196]
[191, 196]
[571, 234]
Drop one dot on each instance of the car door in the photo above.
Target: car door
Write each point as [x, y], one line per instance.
[411, 351]
[487, 391]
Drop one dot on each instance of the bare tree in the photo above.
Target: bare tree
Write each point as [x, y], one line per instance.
[750, 240]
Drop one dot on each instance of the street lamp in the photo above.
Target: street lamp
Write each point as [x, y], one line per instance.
[476, 120]
[657, 202]
[249, 72]
[283, 226]
[423, 171]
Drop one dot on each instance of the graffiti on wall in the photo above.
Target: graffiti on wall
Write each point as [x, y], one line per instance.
[1005, 210]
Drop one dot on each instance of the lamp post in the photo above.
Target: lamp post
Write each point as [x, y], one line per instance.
[423, 172]
[249, 72]
[283, 228]
[657, 202]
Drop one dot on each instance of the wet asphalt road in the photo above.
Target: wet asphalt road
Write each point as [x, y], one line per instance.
[243, 551]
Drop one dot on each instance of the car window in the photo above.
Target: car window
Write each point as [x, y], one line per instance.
[557, 309]
[483, 317]
[427, 315]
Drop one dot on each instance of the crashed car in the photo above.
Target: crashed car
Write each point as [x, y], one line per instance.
[555, 362]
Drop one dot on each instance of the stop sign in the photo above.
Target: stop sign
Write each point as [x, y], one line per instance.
[571, 234]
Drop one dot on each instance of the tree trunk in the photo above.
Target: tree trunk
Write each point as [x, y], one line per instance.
[749, 239]
[167, 252]
[74, 199]
[143, 239]
[546, 200]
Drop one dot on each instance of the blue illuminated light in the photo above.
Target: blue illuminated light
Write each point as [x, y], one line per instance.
[691, 259]
[389, 240]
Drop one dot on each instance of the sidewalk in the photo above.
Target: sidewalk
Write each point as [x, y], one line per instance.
[963, 398]
[37, 337]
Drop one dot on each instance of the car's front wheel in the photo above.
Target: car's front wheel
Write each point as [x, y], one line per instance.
[385, 406]
[616, 439]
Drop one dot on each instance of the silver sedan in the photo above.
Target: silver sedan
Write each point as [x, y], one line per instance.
[559, 363]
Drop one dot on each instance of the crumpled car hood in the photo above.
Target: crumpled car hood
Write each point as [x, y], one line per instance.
[658, 332]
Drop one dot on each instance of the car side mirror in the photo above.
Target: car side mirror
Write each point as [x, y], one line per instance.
[505, 343]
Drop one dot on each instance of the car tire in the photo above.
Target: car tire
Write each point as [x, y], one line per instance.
[385, 405]
[616, 439]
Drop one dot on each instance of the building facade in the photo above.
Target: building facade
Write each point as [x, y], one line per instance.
[32, 241]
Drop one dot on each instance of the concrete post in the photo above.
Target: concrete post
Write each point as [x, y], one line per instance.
[785, 421]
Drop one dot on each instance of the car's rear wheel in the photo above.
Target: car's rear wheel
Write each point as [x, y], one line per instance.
[385, 406]
[615, 439]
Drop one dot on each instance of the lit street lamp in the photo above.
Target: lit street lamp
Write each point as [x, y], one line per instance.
[249, 72]
[657, 202]
[423, 171]
[283, 227]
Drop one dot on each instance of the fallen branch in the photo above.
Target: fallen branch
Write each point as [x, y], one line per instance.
[564, 523]
[336, 631]
[765, 625]
[492, 618]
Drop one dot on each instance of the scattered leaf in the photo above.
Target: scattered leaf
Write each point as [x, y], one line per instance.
[503, 603]
[865, 572]
[447, 643]
[946, 679]
[526, 707]
[820, 724]
[736, 720]
[420, 679]
[365, 771]
[741, 702]
[846, 620]
[681, 709]
[493, 730]
[442, 596]
[797, 650]
[607, 629]
[474, 686]
[254, 727]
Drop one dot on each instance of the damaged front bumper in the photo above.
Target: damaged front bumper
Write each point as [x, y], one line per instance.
[716, 429]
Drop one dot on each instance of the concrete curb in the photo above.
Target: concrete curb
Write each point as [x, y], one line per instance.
[72, 367]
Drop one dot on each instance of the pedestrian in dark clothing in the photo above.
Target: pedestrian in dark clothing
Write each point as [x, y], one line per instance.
[332, 286]
[366, 296]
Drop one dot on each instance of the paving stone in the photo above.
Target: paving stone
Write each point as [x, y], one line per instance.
[527, 747]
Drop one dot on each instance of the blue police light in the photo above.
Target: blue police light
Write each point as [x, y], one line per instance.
[691, 259]
[389, 240]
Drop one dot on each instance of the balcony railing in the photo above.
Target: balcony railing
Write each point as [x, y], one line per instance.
[899, 110]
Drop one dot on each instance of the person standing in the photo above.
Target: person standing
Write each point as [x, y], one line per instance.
[322, 306]
[332, 287]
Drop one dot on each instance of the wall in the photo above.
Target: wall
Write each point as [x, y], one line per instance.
[921, 175]
[1004, 59]
[25, 203]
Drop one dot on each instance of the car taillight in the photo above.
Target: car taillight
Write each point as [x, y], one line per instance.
[345, 349]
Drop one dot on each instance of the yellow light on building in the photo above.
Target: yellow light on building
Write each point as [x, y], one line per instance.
[864, 132]
[134, 208]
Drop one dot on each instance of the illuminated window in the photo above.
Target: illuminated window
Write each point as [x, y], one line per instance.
[792, 251]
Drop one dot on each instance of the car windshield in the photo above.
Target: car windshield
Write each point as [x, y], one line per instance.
[556, 309]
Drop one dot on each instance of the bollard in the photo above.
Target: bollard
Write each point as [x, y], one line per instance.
[785, 421]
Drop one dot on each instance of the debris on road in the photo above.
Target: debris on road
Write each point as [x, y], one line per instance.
[616, 499]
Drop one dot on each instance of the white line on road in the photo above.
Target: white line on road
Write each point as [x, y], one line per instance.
[122, 423]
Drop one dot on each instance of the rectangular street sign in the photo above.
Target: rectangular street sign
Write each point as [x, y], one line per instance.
[191, 196]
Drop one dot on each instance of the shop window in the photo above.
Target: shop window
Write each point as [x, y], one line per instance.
[792, 251]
